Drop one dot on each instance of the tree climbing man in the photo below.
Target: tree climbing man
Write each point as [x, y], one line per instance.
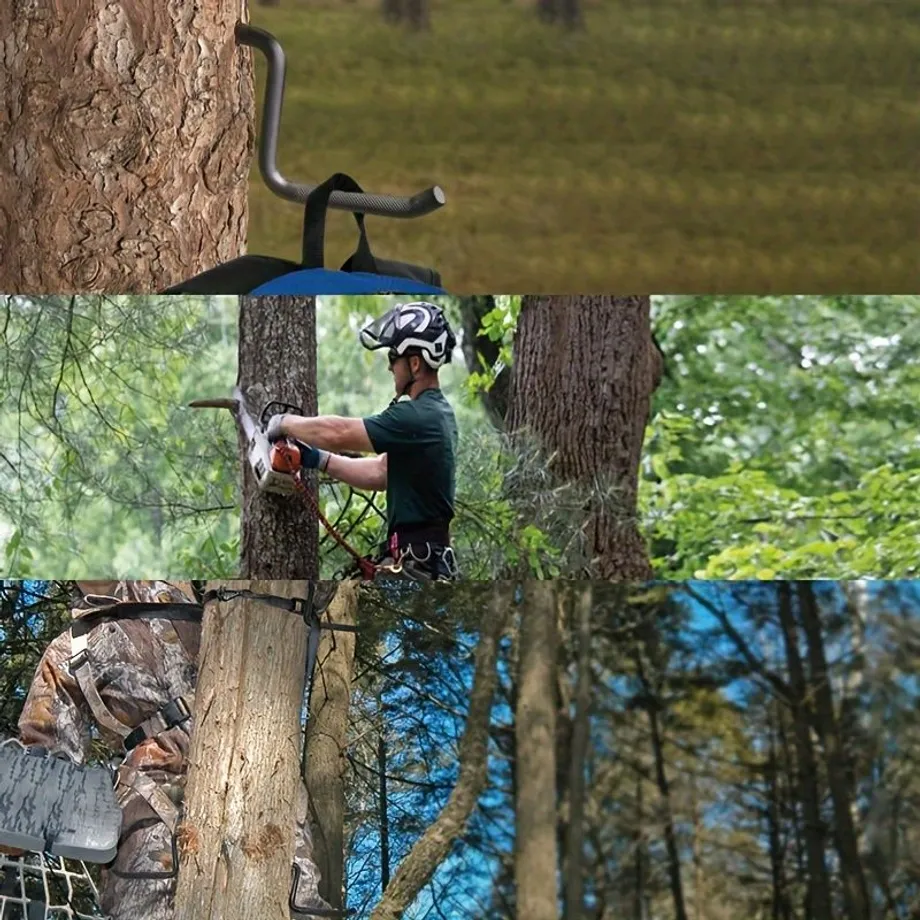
[130, 673]
[415, 440]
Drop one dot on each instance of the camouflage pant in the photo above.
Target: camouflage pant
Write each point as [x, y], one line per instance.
[148, 848]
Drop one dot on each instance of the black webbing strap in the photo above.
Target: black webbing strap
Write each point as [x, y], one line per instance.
[136, 611]
[302, 606]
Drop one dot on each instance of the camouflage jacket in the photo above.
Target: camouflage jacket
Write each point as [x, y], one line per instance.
[137, 667]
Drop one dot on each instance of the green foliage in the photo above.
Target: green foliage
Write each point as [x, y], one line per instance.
[689, 145]
[785, 443]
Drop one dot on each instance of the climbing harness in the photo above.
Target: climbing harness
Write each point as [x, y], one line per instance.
[363, 272]
[277, 470]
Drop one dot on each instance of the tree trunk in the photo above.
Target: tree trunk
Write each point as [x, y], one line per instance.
[652, 702]
[277, 361]
[480, 350]
[418, 14]
[548, 10]
[572, 16]
[384, 811]
[432, 847]
[237, 837]
[639, 844]
[855, 891]
[326, 741]
[574, 882]
[392, 10]
[781, 908]
[126, 137]
[583, 373]
[809, 794]
[535, 731]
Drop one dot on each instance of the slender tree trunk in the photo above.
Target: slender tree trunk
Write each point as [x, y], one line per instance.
[577, 758]
[583, 373]
[277, 361]
[781, 908]
[652, 703]
[418, 14]
[432, 847]
[855, 891]
[125, 139]
[548, 10]
[809, 793]
[384, 817]
[572, 16]
[392, 10]
[536, 862]
[639, 844]
[237, 838]
[699, 894]
[479, 352]
[326, 741]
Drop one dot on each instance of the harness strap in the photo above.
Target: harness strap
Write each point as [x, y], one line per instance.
[175, 712]
[148, 789]
[79, 667]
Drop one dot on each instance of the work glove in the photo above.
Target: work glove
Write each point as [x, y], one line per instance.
[273, 430]
[312, 458]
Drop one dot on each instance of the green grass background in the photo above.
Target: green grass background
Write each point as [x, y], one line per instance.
[674, 146]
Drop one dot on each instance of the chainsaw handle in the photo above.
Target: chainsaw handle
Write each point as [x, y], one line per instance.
[418, 205]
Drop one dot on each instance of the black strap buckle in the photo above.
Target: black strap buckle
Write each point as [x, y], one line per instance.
[174, 713]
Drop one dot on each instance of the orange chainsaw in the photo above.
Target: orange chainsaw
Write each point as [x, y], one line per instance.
[273, 465]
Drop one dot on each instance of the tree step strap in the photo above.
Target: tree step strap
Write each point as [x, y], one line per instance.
[303, 607]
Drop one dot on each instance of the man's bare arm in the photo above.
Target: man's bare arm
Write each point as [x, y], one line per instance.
[329, 432]
[360, 472]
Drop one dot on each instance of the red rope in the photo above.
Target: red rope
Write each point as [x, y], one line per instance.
[367, 568]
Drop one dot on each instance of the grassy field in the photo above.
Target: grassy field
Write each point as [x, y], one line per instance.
[695, 146]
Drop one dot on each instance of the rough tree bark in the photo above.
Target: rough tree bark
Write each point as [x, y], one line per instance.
[809, 792]
[432, 847]
[237, 837]
[535, 844]
[582, 378]
[277, 361]
[125, 137]
[327, 732]
[577, 757]
[855, 891]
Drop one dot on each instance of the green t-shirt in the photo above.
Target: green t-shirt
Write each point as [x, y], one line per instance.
[419, 437]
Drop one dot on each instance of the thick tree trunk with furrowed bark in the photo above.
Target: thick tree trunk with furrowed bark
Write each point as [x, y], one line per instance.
[277, 361]
[583, 374]
[326, 742]
[126, 131]
[237, 838]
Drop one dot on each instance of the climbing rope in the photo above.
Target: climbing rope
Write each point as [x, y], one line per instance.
[367, 568]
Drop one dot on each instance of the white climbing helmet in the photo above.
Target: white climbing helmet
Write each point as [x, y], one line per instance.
[418, 327]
